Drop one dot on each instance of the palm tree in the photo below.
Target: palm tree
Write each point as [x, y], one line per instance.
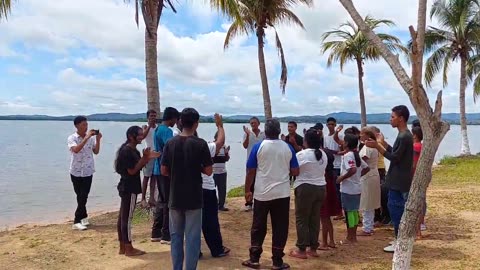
[5, 6]
[351, 44]
[458, 38]
[254, 17]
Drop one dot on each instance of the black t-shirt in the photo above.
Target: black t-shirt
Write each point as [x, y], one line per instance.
[128, 157]
[185, 158]
[298, 139]
[399, 176]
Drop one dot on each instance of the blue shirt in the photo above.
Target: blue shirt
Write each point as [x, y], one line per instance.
[160, 138]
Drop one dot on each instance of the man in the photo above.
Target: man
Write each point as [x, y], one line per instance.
[399, 175]
[163, 133]
[333, 142]
[271, 162]
[250, 138]
[295, 140]
[82, 146]
[184, 159]
[210, 223]
[148, 132]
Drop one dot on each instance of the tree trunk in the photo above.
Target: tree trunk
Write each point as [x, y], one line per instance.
[363, 109]
[434, 129]
[465, 150]
[153, 95]
[267, 106]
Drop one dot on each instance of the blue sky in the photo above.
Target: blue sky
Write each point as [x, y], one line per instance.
[80, 57]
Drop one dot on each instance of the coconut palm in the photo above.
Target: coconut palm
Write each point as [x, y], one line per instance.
[5, 6]
[457, 38]
[254, 17]
[350, 44]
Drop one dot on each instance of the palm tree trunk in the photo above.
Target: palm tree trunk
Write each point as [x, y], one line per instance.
[465, 150]
[153, 96]
[363, 109]
[267, 106]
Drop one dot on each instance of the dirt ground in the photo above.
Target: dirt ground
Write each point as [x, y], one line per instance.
[451, 241]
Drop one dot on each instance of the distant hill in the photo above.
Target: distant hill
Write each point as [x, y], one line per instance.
[342, 117]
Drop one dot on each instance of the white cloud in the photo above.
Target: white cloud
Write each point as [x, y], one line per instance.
[17, 70]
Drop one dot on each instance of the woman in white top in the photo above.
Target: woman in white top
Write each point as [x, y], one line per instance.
[370, 199]
[309, 195]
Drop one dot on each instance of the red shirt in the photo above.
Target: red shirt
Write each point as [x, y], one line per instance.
[417, 149]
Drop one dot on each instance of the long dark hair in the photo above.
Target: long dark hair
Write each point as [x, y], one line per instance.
[132, 131]
[314, 141]
[351, 142]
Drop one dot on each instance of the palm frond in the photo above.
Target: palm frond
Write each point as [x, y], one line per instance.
[5, 8]
[435, 62]
[284, 71]
[233, 31]
[287, 16]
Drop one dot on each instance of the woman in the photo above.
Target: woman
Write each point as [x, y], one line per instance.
[370, 199]
[128, 164]
[309, 188]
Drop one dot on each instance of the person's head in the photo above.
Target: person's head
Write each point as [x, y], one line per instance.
[331, 124]
[367, 133]
[399, 117]
[292, 127]
[179, 123]
[313, 141]
[272, 129]
[417, 134]
[352, 130]
[81, 124]
[254, 123]
[170, 116]
[152, 116]
[134, 135]
[375, 129]
[350, 141]
[415, 123]
[190, 118]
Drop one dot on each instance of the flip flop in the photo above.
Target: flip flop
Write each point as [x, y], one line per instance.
[250, 264]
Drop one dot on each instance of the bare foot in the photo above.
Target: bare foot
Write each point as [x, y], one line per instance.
[347, 242]
[296, 253]
[323, 247]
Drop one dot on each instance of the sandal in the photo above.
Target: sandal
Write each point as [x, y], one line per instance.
[298, 254]
[284, 266]
[312, 253]
[250, 264]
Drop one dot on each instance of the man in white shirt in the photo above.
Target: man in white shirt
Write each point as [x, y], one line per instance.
[148, 131]
[82, 146]
[271, 163]
[250, 138]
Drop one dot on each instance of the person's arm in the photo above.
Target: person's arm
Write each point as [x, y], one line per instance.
[246, 138]
[140, 164]
[220, 142]
[165, 161]
[74, 147]
[365, 168]
[294, 167]
[293, 142]
[206, 159]
[146, 130]
[396, 156]
[349, 162]
[96, 149]
[252, 164]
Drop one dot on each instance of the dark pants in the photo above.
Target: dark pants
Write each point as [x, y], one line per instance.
[308, 202]
[279, 215]
[396, 206]
[337, 186]
[385, 213]
[221, 184]
[160, 227]
[82, 186]
[210, 224]
[252, 189]
[125, 215]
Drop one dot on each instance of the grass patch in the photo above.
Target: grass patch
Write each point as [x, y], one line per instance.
[140, 215]
[236, 192]
[457, 170]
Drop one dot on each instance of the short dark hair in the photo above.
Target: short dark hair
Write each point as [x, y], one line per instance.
[402, 110]
[417, 131]
[189, 117]
[331, 119]
[79, 119]
[352, 130]
[254, 118]
[415, 123]
[170, 113]
[150, 112]
[272, 128]
[293, 123]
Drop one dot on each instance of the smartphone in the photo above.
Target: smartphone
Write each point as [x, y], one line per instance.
[97, 131]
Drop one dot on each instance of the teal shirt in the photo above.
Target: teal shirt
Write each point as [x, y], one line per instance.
[160, 137]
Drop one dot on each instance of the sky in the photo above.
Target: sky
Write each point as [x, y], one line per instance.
[63, 57]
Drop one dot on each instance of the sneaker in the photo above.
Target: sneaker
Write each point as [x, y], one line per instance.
[391, 242]
[165, 242]
[79, 226]
[390, 249]
[248, 208]
[155, 239]
[423, 227]
[85, 222]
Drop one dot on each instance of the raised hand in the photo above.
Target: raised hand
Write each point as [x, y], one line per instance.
[339, 128]
[246, 130]
[218, 120]
[283, 137]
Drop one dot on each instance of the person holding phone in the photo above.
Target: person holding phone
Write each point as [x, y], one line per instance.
[129, 164]
[82, 145]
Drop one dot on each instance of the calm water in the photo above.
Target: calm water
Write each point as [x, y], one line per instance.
[35, 184]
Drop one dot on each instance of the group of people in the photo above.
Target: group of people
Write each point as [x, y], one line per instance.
[329, 173]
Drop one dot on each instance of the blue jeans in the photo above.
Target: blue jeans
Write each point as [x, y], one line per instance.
[396, 206]
[188, 224]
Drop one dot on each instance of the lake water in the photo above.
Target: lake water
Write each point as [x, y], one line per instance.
[35, 185]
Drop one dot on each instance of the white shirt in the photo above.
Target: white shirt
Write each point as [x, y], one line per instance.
[353, 184]
[176, 131]
[149, 138]
[312, 171]
[272, 159]
[220, 168]
[208, 181]
[82, 163]
[330, 143]
[252, 140]
[372, 161]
